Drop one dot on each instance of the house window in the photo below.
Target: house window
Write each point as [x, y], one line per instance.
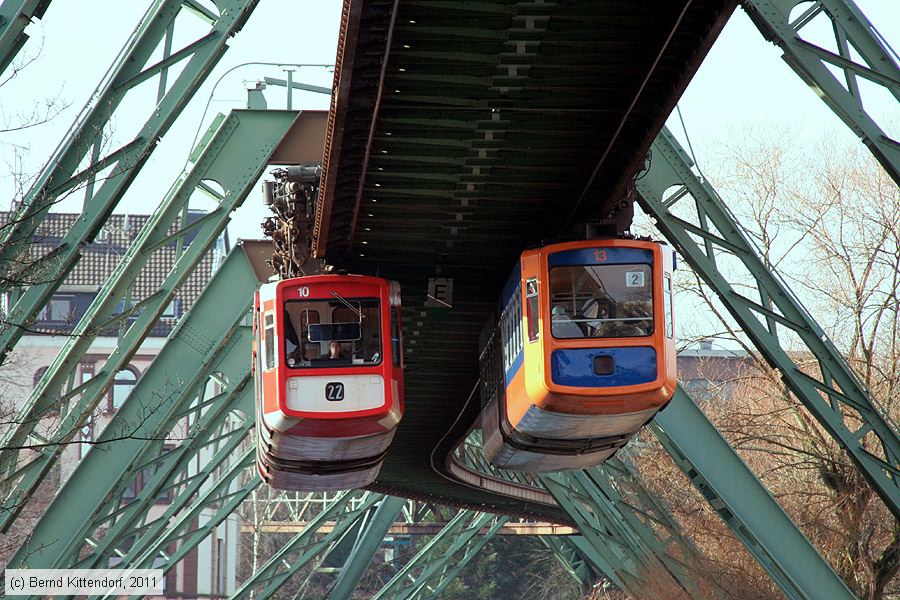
[86, 437]
[173, 309]
[5, 304]
[60, 309]
[221, 571]
[37, 375]
[122, 385]
[143, 478]
[87, 372]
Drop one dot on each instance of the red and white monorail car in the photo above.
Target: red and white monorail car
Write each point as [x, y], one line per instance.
[328, 367]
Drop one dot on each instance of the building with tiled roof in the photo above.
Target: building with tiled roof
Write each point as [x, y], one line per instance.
[100, 257]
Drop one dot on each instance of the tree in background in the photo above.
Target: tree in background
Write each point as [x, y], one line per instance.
[830, 223]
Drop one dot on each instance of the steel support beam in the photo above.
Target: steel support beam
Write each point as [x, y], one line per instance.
[305, 546]
[648, 513]
[194, 492]
[702, 230]
[233, 153]
[744, 504]
[121, 166]
[613, 540]
[862, 54]
[570, 557]
[443, 557]
[208, 339]
[15, 16]
[646, 516]
[218, 426]
[431, 591]
[365, 547]
[189, 529]
[621, 517]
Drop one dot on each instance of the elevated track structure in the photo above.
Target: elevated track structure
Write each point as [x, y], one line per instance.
[459, 133]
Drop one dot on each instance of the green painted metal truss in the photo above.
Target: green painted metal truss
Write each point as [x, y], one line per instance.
[15, 16]
[77, 163]
[201, 376]
[183, 430]
[844, 70]
[690, 214]
[233, 155]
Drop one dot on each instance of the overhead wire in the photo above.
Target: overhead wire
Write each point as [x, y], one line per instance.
[687, 138]
[449, 429]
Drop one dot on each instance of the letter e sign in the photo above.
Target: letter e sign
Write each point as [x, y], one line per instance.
[440, 293]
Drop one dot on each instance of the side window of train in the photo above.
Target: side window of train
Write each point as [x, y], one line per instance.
[531, 317]
[509, 352]
[511, 328]
[396, 350]
[667, 299]
[520, 339]
[269, 334]
[517, 316]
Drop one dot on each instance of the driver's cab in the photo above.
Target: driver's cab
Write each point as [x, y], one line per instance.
[331, 327]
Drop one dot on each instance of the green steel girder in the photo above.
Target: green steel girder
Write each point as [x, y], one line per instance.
[570, 557]
[224, 428]
[621, 542]
[760, 319]
[862, 54]
[234, 154]
[637, 501]
[744, 504]
[15, 16]
[305, 546]
[609, 565]
[58, 176]
[174, 474]
[422, 560]
[612, 540]
[189, 527]
[671, 552]
[208, 338]
[221, 421]
[425, 591]
[188, 530]
[621, 516]
[365, 547]
[443, 557]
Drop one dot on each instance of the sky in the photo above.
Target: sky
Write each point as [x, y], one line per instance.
[743, 82]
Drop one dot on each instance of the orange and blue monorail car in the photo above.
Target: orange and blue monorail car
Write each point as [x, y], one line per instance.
[328, 370]
[579, 355]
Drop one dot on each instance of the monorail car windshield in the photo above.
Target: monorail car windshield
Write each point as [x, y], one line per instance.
[329, 377]
[579, 355]
[332, 332]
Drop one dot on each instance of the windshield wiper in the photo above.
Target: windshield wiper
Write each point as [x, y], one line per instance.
[348, 305]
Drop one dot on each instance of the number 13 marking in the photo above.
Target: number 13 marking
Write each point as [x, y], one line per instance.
[600, 255]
